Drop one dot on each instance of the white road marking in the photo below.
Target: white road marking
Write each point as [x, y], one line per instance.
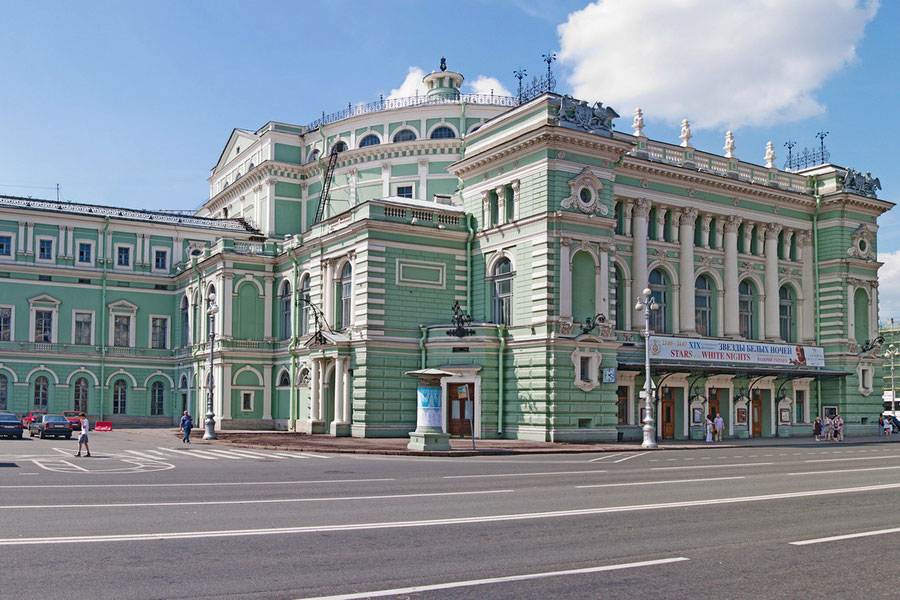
[712, 466]
[188, 453]
[222, 453]
[313, 455]
[848, 536]
[250, 454]
[491, 580]
[821, 460]
[286, 455]
[194, 535]
[627, 458]
[74, 466]
[600, 485]
[215, 483]
[829, 471]
[520, 474]
[144, 455]
[599, 458]
[268, 501]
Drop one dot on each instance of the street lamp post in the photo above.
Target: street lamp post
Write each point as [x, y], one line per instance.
[212, 309]
[647, 302]
[891, 352]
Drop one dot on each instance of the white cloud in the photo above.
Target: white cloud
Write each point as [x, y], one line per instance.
[411, 85]
[720, 64]
[484, 85]
[889, 286]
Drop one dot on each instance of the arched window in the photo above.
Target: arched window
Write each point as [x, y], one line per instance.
[502, 292]
[442, 132]
[284, 303]
[745, 309]
[195, 304]
[81, 395]
[313, 156]
[621, 301]
[284, 380]
[185, 323]
[369, 140]
[405, 135]
[304, 305]
[182, 383]
[345, 290]
[340, 146]
[120, 396]
[157, 399]
[4, 392]
[786, 314]
[658, 287]
[703, 306]
[41, 393]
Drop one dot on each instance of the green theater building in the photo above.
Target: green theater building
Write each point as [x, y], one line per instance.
[539, 216]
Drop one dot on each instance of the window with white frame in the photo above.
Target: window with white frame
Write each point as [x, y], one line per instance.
[157, 399]
[6, 323]
[85, 252]
[185, 323]
[81, 395]
[246, 401]
[122, 330]
[123, 256]
[659, 287]
[284, 380]
[45, 249]
[703, 306]
[120, 397]
[41, 393]
[6, 245]
[159, 332]
[587, 369]
[502, 292]
[745, 309]
[305, 292]
[369, 140]
[284, 305]
[43, 325]
[345, 296]
[161, 260]
[84, 328]
[786, 313]
[404, 191]
[405, 135]
[4, 392]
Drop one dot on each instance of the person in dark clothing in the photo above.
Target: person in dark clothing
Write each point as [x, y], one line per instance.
[187, 423]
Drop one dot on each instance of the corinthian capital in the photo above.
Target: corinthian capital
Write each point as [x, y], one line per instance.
[732, 223]
[688, 216]
[772, 230]
[642, 207]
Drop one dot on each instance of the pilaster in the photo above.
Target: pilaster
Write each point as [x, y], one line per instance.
[686, 271]
[772, 330]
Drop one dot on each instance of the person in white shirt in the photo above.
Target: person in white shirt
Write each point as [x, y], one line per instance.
[83, 438]
[719, 422]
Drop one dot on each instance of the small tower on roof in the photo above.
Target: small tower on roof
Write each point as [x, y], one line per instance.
[443, 83]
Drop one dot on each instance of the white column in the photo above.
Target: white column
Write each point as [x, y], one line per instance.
[347, 412]
[107, 251]
[224, 388]
[423, 179]
[719, 228]
[629, 211]
[639, 254]
[269, 224]
[808, 304]
[355, 264]
[61, 239]
[177, 249]
[704, 230]
[20, 242]
[661, 223]
[323, 384]
[515, 199]
[352, 176]
[148, 260]
[501, 204]
[314, 390]
[731, 412]
[772, 230]
[565, 280]
[304, 200]
[267, 309]
[786, 249]
[339, 390]
[686, 271]
[328, 292]
[226, 313]
[385, 180]
[267, 393]
[602, 292]
[29, 238]
[732, 322]
[748, 237]
[70, 246]
[676, 219]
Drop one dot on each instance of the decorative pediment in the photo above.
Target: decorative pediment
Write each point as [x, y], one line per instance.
[326, 338]
[238, 141]
[584, 193]
[122, 306]
[46, 299]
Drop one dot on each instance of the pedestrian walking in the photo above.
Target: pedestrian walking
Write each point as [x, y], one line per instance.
[709, 428]
[887, 428]
[838, 424]
[83, 436]
[187, 423]
[827, 428]
[719, 423]
[880, 425]
[817, 428]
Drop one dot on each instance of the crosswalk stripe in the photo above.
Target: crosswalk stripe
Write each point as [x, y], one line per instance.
[144, 455]
[192, 453]
[286, 455]
[224, 453]
[249, 454]
[311, 455]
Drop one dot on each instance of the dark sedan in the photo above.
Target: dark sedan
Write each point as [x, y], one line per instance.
[10, 426]
[55, 425]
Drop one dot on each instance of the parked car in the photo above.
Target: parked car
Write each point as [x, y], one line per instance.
[32, 416]
[55, 425]
[894, 421]
[73, 418]
[10, 426]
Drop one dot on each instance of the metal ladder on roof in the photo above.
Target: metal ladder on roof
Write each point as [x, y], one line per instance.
[326, 185]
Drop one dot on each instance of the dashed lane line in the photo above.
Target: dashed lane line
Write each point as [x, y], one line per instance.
[846, 536]
[522, 474]
[601, 485]
[195, 484]
[761, 464]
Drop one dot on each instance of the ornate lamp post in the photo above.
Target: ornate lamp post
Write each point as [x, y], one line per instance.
[891, 352]
[212, 309]
[647, 302]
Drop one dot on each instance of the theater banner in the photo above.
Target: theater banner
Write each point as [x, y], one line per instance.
[741, 353]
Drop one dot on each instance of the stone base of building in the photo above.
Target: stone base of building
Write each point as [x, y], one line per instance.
[311, 426]
[428, 442]
[339, 429]
[254, 424]
[379, 431]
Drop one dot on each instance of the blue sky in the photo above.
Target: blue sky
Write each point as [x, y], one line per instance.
[130, 103]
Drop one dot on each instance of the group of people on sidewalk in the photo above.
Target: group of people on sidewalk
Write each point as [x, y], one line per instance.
[829, 429]
[714, 427]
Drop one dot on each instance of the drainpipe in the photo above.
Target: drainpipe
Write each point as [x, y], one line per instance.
[469, 261]
[817, 302]
[194, 362]
[103, 319]
[296, 321]
[501, 335]
[422, 339]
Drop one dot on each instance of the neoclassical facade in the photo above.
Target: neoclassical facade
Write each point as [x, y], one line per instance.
[539, 218]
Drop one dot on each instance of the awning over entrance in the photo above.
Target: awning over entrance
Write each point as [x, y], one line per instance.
[748, 370]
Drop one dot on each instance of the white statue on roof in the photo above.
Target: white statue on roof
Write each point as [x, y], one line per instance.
[729, 145]
[770, 155]
[638, 123]
[685, 134]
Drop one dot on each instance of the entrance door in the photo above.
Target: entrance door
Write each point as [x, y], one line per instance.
[714, 402]
[756, 414]
[461, 401]
[667, 416]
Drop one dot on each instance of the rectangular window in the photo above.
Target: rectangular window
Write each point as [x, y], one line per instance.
[622, 404]
[585, 368]
[799, 400]
[45, 249]
[5, 324]
[160, 259]
[122, 331]
[123, 256]
[43, 326]
[84, 253]
[5, 245]
[405, 191]
[247, 401]
[159, 332]
[83, 327]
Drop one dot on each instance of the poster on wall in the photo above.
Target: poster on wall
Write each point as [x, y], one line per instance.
[732, 352]
[429, 407]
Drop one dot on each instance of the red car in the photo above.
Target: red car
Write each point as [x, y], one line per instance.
[33, 415]
[73, 418]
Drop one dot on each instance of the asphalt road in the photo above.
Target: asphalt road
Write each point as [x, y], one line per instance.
[147, 517]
